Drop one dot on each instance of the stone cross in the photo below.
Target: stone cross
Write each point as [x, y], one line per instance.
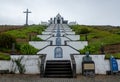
[27, 11]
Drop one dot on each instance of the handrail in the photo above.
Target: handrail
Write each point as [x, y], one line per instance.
[42, 66]
[73, 65]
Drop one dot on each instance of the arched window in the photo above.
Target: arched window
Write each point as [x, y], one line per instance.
[58, 41]
[58, 53]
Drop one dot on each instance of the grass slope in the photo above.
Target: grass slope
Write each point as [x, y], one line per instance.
[22, 33]
[99, 35]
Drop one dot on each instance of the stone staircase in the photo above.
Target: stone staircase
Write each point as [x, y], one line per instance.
[58, 69]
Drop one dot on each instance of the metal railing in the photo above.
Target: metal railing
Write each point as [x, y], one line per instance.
[42, 66]
[73, 63]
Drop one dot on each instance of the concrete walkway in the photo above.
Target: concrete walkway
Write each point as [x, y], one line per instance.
[36, 78]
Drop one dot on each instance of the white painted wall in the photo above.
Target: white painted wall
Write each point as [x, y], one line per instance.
[31, 63]
[4, 65]
[46, 32]
[101, 65]
[60, 30]
[73, 23]
[77, 44]
[68, 32]
[65, 26]
[50, 52]
[73, 37]
[38, 44]
[61, 34]
[44, 37]
[63, 39]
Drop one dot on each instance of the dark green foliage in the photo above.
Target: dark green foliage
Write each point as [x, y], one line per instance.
[6, 41]
[83, 31]
[80, 29]
[18, 45]
[91, 49]
[28, 49]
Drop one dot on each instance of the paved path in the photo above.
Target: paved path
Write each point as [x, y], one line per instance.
[36, 78]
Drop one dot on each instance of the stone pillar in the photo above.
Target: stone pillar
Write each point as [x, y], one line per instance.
[13, 49]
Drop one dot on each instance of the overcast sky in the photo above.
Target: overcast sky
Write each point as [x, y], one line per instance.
[88, 12]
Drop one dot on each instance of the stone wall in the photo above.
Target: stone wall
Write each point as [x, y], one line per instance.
[73, 37]
[63, 39]
[31, 62]
[77, 44]
[46, 33]
[50, 52]
[101, 64]
[39, 44]
[44, 37]
[4, 65]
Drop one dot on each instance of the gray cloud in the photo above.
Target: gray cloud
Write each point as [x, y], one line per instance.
[93, 12]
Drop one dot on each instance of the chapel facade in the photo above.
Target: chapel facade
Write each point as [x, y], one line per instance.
[58, 20]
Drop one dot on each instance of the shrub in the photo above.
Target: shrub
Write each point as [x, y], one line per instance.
[35, 38]
[91, 49]
[28, 49]
[84, 31]
[116, 55]
[4, 57]
[6, 40]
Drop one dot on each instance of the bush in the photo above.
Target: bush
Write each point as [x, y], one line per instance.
[84, 31]
[6, 41]
[4, 57]
[35, 38]
[91, 49]
[117, 56]
[28, 49]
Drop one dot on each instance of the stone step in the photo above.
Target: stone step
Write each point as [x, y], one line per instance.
[58, 72]
[58, 63]
[58, 68]
[59, 76]
[58, 60]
